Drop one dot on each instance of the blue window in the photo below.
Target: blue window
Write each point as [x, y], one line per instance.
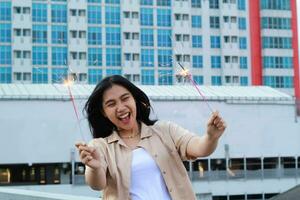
[277, 62]
[147, 16]
[163, 38]
[197, 41]
[163, 2]
[146, 2]
[113, 36]
[95, 57]
[94, 76]
[215, 42]
[59, 13]
[94, 14]
[39, 75]
[147, 57]
[214, 4]
[275, 4]
[244, 81]
[163, 17]
[39, 12]
[242, 23]
[112, 15]
[214, 22]
[94, 1]
[59, 34]
[277, 42]
[94, 35]
[198, 79]
[243, 62]
[216, 80]
[113, 57]
[147, 77]
[5, 32]
[197, 61]
[196, 21]
[241, 5]
[39, 55]
[5, 55]
[196, 3]
[59, 75]
[278, 81]
[59, 55]
[39, 34]
[110, 72]
[243, 42]
[147, 38]
[215, 61]
[165, 77]
[276, 23]
[5, 11]
[164, 58]
[112, 1]
[5, 74]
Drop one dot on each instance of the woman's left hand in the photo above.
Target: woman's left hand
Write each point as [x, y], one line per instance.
[215, 126]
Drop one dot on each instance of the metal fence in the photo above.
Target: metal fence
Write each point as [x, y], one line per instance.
[244, 174]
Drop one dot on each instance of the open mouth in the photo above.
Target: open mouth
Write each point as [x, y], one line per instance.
[124, 117]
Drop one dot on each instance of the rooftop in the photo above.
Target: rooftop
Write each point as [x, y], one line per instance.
[184, 92]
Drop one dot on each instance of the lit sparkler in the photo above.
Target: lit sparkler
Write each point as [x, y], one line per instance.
[185, 73]
[68, 83]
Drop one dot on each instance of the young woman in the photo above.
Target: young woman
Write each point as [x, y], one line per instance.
[133, 157]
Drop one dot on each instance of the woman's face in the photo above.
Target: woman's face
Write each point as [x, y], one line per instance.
[119, 107]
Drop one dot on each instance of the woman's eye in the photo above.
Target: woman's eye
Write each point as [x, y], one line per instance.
[125, 98]
[110, 105]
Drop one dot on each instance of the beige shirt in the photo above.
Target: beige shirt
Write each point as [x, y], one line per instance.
[166, 142]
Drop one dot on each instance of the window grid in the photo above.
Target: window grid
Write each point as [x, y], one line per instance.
[147, 56]
[39, 55]
[39, 75]
[147, 77]
[94, 76]
[113, 57]
[95, 57]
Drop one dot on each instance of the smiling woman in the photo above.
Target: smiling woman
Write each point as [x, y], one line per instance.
[134, 157]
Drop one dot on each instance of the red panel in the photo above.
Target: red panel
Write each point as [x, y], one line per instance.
[255, 40]
[295, 49]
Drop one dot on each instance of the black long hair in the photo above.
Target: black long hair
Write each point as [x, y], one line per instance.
[101, 126]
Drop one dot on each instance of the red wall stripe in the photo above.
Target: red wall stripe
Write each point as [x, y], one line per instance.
[295, 49]
[255, 42]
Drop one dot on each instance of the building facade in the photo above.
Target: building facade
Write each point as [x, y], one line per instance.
[257, 157]
[221, 42]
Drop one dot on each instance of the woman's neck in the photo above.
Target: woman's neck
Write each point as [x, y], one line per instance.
[135, 131]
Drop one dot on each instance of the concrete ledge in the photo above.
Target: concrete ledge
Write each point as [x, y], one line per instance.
[20, 194]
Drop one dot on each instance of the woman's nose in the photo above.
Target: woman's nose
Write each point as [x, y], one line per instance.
[120, 107]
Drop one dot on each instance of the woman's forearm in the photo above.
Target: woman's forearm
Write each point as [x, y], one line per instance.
[96, 179]
[202, 146]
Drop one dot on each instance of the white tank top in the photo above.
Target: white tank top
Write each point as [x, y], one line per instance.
[147, 182]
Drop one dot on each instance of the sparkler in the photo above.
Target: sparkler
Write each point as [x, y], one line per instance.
[68, 83]
[185, 73]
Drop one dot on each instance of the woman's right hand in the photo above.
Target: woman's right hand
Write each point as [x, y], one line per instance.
[88, 155]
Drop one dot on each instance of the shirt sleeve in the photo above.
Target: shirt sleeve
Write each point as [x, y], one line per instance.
[100, 146]
[181, 138]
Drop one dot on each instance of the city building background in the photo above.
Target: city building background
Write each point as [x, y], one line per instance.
[222, 43]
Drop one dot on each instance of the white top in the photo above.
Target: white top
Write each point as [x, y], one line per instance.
[147, 182]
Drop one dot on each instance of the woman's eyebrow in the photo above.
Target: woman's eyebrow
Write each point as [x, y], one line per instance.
[112, 100]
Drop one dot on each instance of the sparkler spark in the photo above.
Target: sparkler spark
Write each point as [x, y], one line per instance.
[68, 83]
[186, 73]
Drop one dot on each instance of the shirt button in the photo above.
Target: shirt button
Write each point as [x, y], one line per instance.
[164, 172]
[155, 155]
[170, 190]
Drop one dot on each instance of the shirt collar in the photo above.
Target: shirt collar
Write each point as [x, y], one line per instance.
[145, 132]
